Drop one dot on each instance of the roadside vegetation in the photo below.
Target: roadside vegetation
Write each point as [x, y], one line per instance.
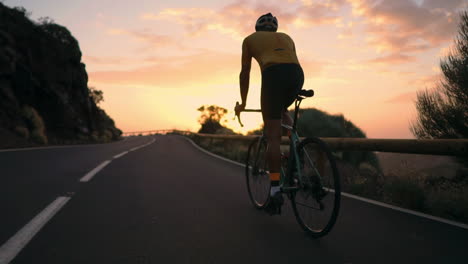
[443, 113]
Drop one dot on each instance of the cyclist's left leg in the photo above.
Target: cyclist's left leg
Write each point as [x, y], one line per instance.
[273, 135]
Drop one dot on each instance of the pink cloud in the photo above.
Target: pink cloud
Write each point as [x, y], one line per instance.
[394, 58]
[238, 18]
[146, 36]
[402, 26]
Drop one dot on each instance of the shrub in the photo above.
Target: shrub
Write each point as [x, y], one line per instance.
[451, 204]
[405, 192]
[22, 131]
[36, 125]
[39, 137]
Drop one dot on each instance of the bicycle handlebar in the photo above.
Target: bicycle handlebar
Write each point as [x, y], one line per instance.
[302, 94]
[245, 110]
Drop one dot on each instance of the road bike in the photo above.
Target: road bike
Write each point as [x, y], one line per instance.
[309, 176]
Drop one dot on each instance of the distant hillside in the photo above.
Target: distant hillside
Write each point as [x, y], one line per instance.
[313, 122]
[44, 94]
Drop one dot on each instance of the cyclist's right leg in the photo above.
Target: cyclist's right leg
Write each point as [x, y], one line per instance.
[273, 135]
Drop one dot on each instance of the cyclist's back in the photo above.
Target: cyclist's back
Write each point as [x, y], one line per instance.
[270, 48]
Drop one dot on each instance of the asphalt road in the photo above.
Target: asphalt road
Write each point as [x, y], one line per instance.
[168, 202]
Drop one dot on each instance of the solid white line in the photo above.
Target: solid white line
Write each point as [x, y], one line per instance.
[120, 155]
[14, 245]
[362, 199]
[212, 154]
[93, 172]
[408, 211]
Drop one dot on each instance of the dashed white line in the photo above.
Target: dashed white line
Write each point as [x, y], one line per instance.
[135, 148]
[14, 245]
[93, 172]
[120, 155]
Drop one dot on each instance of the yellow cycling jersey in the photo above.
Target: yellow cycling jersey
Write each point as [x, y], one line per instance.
[268, 48]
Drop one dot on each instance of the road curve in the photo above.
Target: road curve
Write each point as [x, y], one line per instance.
[171, 203]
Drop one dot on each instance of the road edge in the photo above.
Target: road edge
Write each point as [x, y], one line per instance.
[352, 196]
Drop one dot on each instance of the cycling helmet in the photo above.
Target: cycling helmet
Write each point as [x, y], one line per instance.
[267, 22]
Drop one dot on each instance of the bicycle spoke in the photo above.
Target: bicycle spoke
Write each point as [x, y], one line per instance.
[315, 209]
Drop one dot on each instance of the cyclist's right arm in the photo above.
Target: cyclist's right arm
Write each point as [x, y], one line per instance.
[244, 77]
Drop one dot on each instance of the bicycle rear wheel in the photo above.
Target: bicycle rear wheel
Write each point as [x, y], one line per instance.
[317, 201]
[256, 172]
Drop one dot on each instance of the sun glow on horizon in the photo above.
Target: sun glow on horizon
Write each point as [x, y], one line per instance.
[158, 62]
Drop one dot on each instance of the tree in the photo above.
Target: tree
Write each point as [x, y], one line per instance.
[211, 118]
[96, 95]
[443, 111]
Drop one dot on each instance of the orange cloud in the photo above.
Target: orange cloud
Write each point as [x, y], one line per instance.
[238, 18]
[204, 68]
[394, 58]
[191, 70]
[145, 36]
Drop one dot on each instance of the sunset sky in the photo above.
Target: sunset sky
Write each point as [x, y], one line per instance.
[158, 61]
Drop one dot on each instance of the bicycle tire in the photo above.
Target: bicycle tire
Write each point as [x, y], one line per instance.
[256, 172]
[317, 197]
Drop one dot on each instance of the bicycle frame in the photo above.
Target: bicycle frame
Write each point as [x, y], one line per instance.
[293, 160]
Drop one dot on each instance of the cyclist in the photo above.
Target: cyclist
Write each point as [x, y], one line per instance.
[282, 79]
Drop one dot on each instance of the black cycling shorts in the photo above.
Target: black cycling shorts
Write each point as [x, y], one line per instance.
[280, 85]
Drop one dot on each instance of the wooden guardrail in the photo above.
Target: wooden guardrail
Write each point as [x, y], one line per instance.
[451, 147]
[152, 132]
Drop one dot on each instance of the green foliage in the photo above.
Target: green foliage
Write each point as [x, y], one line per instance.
[57, 32]
[35, 124]
[39, 137]
[96, 95]
[22, 131]
[22, 11]
[443, 112]
[316, 123]
[211, 118]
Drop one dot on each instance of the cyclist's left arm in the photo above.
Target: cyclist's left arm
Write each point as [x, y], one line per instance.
[244, 77]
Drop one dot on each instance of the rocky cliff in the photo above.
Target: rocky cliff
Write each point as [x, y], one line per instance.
[44, 94]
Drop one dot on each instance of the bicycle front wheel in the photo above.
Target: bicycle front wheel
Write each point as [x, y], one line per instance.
[317, 201]
[256, 172]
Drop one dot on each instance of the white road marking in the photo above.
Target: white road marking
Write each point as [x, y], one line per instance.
[93, 172]
[14, 245]
[362, 199]
[435, 218]
[135, 148]
[142, 146]
[120, 155]
[212, 154]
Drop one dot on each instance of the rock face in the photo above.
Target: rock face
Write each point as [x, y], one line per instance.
[44, 94]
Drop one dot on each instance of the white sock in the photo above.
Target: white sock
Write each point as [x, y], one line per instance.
[274, 190]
